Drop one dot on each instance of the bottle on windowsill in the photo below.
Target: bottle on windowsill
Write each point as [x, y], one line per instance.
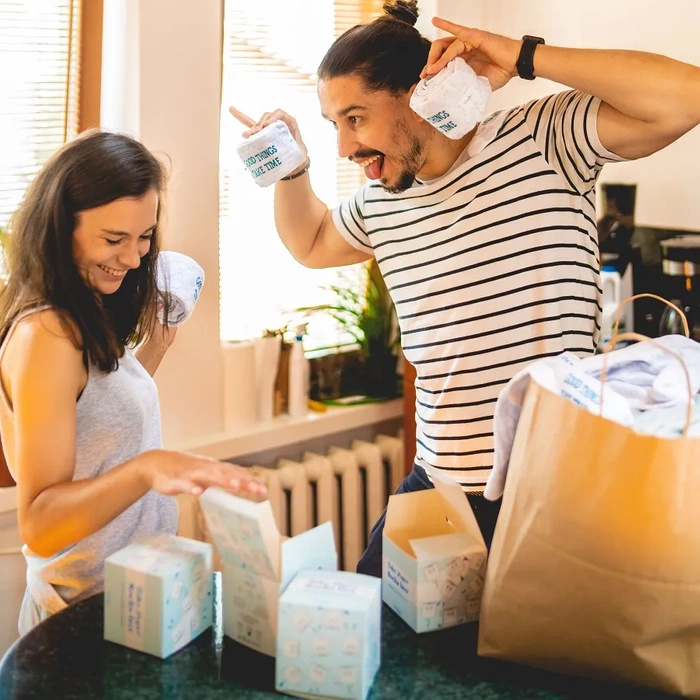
[297, 403]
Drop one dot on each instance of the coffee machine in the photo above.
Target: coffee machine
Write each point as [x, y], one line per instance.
[616, 226]
[618, 256]
[653, 260]
[680, 268]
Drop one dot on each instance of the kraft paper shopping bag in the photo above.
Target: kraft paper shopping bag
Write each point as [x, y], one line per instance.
[595, 563]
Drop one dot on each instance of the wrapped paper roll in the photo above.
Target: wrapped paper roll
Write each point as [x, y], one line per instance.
[271, 154]
[181, 278]
[453, 100]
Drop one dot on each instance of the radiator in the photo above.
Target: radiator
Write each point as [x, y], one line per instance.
[348, 486]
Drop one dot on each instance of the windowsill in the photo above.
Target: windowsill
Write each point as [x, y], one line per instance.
[284, 430]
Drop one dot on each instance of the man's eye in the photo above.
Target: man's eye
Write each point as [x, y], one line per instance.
[355, 120]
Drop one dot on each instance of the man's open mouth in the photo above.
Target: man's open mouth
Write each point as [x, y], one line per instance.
[372, 166]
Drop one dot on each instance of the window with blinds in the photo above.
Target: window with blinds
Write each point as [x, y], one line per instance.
[39, 67]
[270, 54]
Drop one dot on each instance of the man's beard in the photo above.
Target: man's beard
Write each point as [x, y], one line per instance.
[411, 163]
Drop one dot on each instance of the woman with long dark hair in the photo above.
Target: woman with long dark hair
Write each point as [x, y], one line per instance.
[79, 413]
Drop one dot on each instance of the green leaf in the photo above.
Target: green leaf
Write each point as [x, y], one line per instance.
[363, 309]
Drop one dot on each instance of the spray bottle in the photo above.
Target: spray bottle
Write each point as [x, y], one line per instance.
[297, 404]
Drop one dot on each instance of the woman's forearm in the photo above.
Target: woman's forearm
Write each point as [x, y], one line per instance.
[151, 353]
[68, 512]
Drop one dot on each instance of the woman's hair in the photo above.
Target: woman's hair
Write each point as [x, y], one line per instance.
[95, 169]
[388, 53]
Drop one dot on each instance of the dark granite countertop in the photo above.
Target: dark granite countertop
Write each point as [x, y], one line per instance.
[66, 658]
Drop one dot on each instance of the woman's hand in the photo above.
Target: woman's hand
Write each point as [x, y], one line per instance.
[490, 55]
[266, 120]
[173, 473]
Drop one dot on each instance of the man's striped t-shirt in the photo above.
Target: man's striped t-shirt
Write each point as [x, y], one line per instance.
[490, 266]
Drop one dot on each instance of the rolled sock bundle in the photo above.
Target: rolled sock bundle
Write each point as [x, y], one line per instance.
[179, 278]
[453, 100]
[271, 154]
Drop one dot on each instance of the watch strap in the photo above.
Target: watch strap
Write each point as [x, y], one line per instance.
[525, 64]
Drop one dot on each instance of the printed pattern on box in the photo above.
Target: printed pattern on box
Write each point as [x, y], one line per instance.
[329, 634]
[433, 593]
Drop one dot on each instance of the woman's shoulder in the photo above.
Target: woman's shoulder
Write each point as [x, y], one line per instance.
[48, 328]
[42, 348]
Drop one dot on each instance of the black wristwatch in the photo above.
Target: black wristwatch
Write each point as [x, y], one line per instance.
[525, 63]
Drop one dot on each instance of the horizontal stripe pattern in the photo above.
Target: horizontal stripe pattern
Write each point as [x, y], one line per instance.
[491, 266]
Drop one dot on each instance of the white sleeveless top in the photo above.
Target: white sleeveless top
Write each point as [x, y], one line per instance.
[118, 417]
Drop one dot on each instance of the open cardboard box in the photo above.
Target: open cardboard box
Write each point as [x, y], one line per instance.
[257, 563]
[434, 557]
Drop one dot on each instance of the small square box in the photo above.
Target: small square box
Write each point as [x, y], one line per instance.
[158, 593]
[329, 635]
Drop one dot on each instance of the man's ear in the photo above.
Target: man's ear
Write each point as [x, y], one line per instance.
[415, 116]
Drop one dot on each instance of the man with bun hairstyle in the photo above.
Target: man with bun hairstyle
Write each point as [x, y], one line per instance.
[488, 243]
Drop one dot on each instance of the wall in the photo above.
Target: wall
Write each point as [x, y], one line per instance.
[162, 83]
[668, 180]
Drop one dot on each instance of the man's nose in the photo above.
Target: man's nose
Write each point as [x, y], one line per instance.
[346, 143]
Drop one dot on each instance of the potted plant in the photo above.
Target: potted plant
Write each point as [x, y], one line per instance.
[367, 313]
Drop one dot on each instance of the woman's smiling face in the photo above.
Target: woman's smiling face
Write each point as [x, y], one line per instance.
[110, 240]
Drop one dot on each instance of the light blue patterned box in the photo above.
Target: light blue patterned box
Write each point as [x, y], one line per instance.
[158, 593]
[329, 635]
[257, 563]
[433, 558]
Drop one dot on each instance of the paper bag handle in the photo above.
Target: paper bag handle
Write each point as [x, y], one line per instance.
[618, 315]
[644, 339]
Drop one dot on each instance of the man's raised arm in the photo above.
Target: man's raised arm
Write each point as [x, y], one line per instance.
[304, 223]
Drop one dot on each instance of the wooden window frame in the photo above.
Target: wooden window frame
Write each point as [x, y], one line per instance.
[91, 24]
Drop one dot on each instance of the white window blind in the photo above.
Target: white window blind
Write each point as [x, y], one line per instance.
[270, 55]
[39, 66]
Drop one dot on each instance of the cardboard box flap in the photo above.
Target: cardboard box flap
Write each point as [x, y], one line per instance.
[416, 514]
[313, 549]
[457, 508]
[407, 511]
[444, 546]
[245, 532]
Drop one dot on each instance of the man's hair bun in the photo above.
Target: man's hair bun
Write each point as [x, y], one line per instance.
[402, 10]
